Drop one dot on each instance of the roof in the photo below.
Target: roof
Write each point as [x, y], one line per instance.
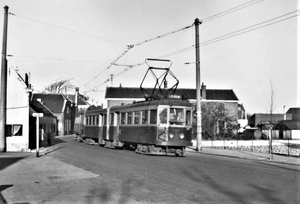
[291, 124]
[82, 100]
[130, 92]
[38, 107]
[55, 102]
[294, 111]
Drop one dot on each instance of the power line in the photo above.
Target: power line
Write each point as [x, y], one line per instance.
[250, 28]
[58, 59]
[161, 36]
[237, 32]
[111, 64]
[67, 29]
[223, 37]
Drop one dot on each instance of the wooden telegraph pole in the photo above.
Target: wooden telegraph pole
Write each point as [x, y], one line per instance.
[198, 107]
[3, 84]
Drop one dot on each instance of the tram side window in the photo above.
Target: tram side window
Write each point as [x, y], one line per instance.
[176, 116]
[153, 116]
[104, 119]
[97, 120]
[145, 117]
[123, 118]
[163, 114]
[111, 119]
[92, 120]
[137, 115]
[188, 119]
[129, 118]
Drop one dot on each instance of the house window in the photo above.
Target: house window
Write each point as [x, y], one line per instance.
[67, 109]
[14, 130]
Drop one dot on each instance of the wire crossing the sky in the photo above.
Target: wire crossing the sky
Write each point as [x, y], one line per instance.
[67, 29]
[224, 37]
[231, 10]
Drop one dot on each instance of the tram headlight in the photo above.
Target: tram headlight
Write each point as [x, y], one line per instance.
[171, 135]
[181, 136]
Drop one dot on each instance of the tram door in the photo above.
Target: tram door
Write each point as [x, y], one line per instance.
[163, 123]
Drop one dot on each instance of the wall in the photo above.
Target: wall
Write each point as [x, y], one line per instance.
[17, 112]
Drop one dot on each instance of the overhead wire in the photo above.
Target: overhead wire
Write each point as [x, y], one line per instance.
[223, 13]
[226, 36]
[231, 10]
[58, 59]
[130, 47]
[67, 29]
[250, 28]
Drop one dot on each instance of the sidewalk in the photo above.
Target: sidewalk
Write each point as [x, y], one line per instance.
[284, 159]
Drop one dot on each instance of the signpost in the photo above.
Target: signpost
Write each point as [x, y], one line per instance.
[37, 115]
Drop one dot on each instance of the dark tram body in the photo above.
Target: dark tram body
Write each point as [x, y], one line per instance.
[159, 127]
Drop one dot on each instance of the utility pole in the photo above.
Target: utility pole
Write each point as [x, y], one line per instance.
[3, 84]
[198, 95]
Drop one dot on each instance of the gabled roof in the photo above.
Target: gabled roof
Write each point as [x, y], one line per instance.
[291, 124]
[211, 94]
[38, 107]
[55, 102]
[82, 100]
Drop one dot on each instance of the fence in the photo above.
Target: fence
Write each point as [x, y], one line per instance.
[287, 147]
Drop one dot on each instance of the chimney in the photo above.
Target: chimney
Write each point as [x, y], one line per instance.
[203, 91]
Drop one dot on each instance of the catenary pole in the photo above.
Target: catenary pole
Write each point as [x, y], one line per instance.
[3, 84]
[198, 95]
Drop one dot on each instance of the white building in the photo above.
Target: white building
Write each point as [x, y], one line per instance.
[17, 121]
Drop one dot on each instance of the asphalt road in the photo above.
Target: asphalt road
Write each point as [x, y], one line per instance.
[127, 177]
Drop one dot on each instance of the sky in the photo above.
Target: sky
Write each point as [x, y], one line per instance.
[249, 46]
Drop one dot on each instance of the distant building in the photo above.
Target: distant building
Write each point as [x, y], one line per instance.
[48, 122]
[80, 101]
[265, 118]
[295, 112]
[288, 129]
[62, 107]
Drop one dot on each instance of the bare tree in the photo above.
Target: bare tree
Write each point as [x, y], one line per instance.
[271, 111]
[272, 101]
[59, 86]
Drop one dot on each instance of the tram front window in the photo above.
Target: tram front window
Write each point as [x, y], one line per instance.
[176, 116]
[163, 116]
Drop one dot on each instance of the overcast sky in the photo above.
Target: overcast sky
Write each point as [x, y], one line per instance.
[79, 39]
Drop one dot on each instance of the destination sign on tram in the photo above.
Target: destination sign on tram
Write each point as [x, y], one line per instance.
[174, 96]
